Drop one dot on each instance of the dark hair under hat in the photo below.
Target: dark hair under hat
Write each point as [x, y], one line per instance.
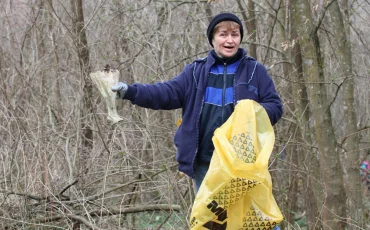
[223, 17]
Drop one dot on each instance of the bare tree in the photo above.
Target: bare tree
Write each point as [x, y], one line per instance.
[341, 29]
[250, 25]
[333, 206]
[82, 48]
[41, 32]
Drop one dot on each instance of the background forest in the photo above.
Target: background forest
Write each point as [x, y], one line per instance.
[63, 165]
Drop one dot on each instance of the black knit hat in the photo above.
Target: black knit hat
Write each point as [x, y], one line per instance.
[223, 17]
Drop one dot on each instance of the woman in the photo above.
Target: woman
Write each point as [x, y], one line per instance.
[207, 90]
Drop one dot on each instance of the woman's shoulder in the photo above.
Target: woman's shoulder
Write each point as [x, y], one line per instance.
[252, 62]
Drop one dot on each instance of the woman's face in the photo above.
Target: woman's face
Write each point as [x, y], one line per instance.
[226, 39]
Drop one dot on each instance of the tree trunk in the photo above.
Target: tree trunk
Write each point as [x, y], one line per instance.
[313, 191]
[292, 151]
[41, 48]
[351, 141]
[333, 208]
[82, 48]
[252, 29]
[57, 96]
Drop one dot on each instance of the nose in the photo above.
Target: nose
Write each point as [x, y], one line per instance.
[229, 39]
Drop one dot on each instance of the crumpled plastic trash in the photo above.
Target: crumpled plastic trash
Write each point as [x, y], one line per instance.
[104, 80]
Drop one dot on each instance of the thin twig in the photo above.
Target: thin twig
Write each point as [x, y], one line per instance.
[67, 187]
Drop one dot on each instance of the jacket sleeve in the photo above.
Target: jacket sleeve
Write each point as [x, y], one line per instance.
[162, 95]
[268, 96]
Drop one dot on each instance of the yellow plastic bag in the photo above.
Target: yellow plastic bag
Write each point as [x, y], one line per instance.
[236, 192]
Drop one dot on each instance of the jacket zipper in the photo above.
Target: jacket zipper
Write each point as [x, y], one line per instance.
[224, 92]
[197, 125]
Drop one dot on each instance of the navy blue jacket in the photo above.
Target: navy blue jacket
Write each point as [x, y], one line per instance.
[186, 91]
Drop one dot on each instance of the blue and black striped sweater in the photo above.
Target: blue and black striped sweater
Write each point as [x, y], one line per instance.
[218, 102]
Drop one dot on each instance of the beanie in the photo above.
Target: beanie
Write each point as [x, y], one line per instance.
[223, 17]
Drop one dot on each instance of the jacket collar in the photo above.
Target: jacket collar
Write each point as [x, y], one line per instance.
[228, 61]
[212, 57]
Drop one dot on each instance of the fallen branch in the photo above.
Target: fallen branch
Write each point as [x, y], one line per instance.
[144, 208]
[76, 218]
[111, 212]
[99, 213]
[132, 181]
[34, 197]
[83, 221]
[26, 195]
